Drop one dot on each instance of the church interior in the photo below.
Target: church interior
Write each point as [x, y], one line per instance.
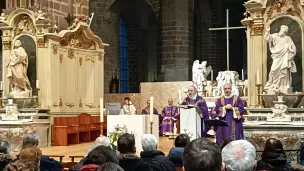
[88, 78]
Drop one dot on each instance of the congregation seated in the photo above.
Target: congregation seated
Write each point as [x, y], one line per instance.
[127, 154]
[202, 155]
[103, 140]
[176, 153]
[153, 157]
[273, 157]
[31, 139]
[109, 167]
[31, 153]
[5, 157]
[239, 155]
[22, 165]
[98, 156]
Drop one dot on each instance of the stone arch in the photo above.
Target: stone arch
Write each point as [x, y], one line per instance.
[154, 4]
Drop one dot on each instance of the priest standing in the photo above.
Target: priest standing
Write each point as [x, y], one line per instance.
[196, 100]
[169, 116]
[146, 110]
[231, 109]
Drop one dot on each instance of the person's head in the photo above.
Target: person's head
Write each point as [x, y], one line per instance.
[18, 43]
[126, 144]
[31, 153]
[283, 30]
[148, 103]
[170, 101]
[30, 139]
[227, 89]
[273, 145]
[127, 100]
[102, 140]
[109, 167]
[148, 142]
[4, 147]
[182, 140]
[191, 90]
[22, 165]
[226, 141]
[239, 155]
[100, 155]
[202, 154]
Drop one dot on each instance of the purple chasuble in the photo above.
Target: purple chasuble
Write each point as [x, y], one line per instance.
[235, 126]
[169, 111]
[201, 103]
[146, 111]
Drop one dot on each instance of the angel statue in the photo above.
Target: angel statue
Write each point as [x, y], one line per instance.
[279, 113]
[200, 72]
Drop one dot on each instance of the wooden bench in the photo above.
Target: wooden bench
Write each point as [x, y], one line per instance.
[84, 121]
[66, 131]
[95, 127]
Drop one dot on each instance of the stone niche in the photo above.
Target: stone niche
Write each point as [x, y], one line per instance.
[69, 65]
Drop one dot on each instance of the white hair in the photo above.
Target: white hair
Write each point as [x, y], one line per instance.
[148, 142]
[103, 140]
[227, 84]
[239, 155]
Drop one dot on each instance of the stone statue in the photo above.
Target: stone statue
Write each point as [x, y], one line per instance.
[40, 15]
[230, 77]
[283, 51]
[200, 72]
[279, 113]
[17, 70]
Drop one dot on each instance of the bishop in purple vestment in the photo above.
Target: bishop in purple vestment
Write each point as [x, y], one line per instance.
[231, 109]
[196, 100]
[169, 115]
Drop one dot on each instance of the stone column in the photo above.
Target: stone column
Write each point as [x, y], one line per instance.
[177, 39]
[257, 52]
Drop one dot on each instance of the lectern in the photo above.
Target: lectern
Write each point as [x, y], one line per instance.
[190, 121]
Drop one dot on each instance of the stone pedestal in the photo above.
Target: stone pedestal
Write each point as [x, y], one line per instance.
[291, 100]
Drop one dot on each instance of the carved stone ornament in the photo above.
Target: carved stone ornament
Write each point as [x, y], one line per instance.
[41, 43]
[283, 7]
[55, 49]
[289, 141]
[6, 45]
[101, 56]
[60, 102]
[24, 25]
[3, 17]
[90, 58]
[61, 58]
[80, 103]
[257, 29]
[71, 53]
[78, 40]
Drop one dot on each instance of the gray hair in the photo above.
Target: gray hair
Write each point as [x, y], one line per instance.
[239, 155]
[102, 140]
[227, 84]
[4, 147]
[148, 142]
[30, 139]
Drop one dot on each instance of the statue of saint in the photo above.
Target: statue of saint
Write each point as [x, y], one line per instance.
[17, 69]
[283, 51]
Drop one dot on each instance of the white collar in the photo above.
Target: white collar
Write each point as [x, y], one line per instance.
[227, 97]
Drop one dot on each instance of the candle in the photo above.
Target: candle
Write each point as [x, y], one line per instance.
[258, 81]
[243, 74]
[211, 75]
[180, 96]
[37, 83]
[151, 109]
[101, 109]
[1, 85]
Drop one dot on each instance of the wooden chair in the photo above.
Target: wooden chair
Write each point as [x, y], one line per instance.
[57, 156]
[84, 121]
[95, 129]
[66, 131]
[179, 168]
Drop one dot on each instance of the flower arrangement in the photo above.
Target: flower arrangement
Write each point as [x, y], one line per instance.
[190, 135]
[116, 133]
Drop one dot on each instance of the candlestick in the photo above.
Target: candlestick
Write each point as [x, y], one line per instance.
[151, 109]
[1, 101]
[258, 81]
[243, 74]
[260, 100]
[37, 84]
[101, 110]
[151, 127]
[211, 75]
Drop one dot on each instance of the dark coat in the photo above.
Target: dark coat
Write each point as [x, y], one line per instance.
[133, 163]
[157, 160]
[175, 155]
[78, 166]
[273, 162]
[4, 160]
